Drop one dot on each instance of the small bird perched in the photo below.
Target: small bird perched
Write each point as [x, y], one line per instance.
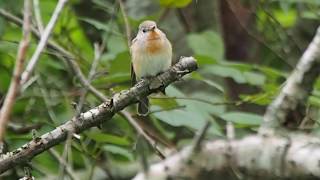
[151, 54]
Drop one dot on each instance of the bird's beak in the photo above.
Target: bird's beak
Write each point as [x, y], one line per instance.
[152, 28]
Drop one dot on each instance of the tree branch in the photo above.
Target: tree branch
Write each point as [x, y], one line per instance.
[69, 58]
[261, 157]
[294, 95]
[14, 87]
[97, 115]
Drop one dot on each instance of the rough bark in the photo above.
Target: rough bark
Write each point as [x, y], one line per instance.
[256, 157]
[293, 96]
[97, 115]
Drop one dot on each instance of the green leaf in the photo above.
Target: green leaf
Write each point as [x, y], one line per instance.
[272, 73]
[223, 71]
[8, 47]
[121, 64]
[208, 43]
[255, 78]
[314, 100]
[104, 5]
[263, 99]
[117, 44]
[119, 151]
[286, 19]
[194, 115]
[55, 64]
[242, 118]
[186, 118]
[175, 3]
[100, 26]
[168, 103]
[310, 15]
[47, 161]
[209, 82]
[204, 60]
[108, 138]
[116, 78]
[5, 79]
[2, 26]
[70, 33]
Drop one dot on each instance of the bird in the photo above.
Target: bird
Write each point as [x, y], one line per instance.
[151, 54]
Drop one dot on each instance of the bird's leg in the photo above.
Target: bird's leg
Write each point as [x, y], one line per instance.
[146, 78]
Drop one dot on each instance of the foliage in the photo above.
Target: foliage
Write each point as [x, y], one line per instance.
[281, 30]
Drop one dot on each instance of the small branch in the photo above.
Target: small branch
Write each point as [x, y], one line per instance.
[23, 129]
[97, 115]
[62, 161]
[134, 123]
[27, 174]
[196, 146]
[15, 80]
[37, 14]
[199, 100]
[43, 42]
[294, 95]
[97, 55]
[126, 21]
[254, 157]
[46, 99]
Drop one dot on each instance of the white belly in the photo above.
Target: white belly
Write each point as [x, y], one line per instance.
[150, 64]
[153, 64]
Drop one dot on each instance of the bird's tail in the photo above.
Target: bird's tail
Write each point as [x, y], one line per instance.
[143, 106]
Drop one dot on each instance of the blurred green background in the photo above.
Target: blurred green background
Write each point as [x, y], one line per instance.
[245, 50]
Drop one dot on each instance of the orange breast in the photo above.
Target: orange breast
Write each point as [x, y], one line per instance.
[154, 43]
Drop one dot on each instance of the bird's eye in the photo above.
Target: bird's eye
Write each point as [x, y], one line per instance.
[144, 30]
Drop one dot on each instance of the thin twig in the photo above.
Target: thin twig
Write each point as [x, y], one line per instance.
[46, 99]
[27, 174]
[43, 42]
[197, 99]
[134, 123]
[23, 128]
[64, 163]
[70, 172]
[126, 22]
[168, 109]
[97, 56]
[37, 14]
[15, 80]
[200, 136]
[233, 8]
